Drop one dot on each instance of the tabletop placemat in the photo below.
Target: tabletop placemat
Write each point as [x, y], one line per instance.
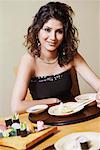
[22, 143]
[89, 112]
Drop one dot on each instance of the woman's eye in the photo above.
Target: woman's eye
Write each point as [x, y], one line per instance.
[60, 31]
[47, 29]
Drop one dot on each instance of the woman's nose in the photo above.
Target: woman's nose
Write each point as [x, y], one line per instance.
[53, 35]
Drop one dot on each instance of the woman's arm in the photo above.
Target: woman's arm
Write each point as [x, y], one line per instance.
[84, 70]
[19, 104]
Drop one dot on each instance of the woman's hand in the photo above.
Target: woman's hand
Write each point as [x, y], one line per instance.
[50, 101]
[98, 98]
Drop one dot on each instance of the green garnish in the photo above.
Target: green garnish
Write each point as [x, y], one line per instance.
[23, 126]
[15, 116]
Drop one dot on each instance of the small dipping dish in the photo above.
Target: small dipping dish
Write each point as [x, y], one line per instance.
[37, 109]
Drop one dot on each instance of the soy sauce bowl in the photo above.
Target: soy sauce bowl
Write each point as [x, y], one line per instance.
[37, 109]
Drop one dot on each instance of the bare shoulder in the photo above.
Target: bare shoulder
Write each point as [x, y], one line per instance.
[27, 62]
[27, 58]
[78, 59]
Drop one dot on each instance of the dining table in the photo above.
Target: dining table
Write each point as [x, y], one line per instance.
[92, 125]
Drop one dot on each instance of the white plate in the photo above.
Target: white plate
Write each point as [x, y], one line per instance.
[65, 109]
[86, 97]
[37, 109]
[69, 142]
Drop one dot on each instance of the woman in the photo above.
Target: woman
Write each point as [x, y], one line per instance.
[52, 42]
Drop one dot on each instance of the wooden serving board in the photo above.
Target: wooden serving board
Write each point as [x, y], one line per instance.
[89, 112]
[22, 143]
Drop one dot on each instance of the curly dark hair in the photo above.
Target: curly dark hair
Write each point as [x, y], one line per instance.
[62, 12]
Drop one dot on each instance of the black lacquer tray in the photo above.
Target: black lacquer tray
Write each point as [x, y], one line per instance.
[89, 112]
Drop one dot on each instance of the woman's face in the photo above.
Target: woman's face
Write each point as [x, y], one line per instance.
[51, 35]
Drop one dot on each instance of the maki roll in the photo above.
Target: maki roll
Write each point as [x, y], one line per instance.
[15, 118]
[16, 127]
[9, 132]
[12, 132]
[8, 122]
[23, 130]
[84, 143]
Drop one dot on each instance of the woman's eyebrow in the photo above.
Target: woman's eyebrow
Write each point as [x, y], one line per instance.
[51, 27]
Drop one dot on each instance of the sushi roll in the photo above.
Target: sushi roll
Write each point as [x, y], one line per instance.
[8, 132]
[15, 118]
[16, 127]
[8, 122]
[23, 130]
[84, 143]
[12, 132]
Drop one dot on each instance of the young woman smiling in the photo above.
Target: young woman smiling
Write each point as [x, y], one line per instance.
[52, 42]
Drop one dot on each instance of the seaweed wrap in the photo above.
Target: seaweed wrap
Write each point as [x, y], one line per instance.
[23, 130]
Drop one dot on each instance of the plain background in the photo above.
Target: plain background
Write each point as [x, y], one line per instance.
[16, 16]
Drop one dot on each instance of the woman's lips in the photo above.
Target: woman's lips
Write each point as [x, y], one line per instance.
[52, 43]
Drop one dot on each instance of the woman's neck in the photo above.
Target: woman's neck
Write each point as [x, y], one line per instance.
[48, 56]
[48, 60]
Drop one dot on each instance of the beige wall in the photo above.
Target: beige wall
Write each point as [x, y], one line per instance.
[16, 16]
[99, 37]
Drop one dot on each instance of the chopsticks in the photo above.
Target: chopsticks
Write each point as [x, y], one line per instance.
[84, 103]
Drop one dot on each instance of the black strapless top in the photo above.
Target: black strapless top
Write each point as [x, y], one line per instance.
[54, 86]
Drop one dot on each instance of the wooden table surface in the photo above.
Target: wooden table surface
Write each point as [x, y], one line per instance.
[92, 125]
